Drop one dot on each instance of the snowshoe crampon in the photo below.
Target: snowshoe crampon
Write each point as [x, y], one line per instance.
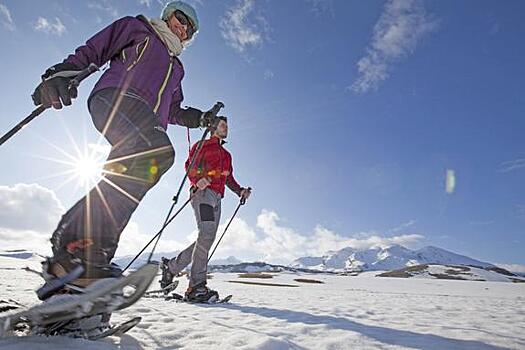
[163, 291]
[104, 296]
[117, 330]
[213, 299]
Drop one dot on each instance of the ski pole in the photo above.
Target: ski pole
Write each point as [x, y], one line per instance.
[166, 223]
[241, 202]
[73, 83]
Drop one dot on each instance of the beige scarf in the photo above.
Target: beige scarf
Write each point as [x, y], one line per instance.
[169, 39]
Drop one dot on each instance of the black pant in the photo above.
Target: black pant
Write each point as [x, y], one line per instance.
[141, 152]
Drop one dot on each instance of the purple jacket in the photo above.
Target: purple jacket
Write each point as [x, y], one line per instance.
[140, 62]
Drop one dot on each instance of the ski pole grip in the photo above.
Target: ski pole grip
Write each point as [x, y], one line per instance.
[216, 108]
[214, 111]
[243, 201]
[75, 82]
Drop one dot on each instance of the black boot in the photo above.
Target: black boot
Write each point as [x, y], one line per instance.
[167, 276]
[65, 268]
[201, 294]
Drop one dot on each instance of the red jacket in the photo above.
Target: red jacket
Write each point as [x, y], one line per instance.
[215, 162]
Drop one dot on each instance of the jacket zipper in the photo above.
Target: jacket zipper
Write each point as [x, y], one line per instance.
[163, 86]
[222, 165]
[139, 54]
[166, 79]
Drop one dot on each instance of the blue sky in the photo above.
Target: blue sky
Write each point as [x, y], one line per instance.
[344, 117]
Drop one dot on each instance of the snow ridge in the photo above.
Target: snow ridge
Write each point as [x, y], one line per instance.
[383, 258]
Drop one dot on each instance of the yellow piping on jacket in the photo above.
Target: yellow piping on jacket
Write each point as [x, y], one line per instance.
[145, 41]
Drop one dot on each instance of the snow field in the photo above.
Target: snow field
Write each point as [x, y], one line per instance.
[363, 312]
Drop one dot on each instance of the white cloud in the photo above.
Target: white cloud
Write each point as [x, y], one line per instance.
[268, 74]
[272, 242]
[44, 25]
[404, 226]
[321, 7]
[28, 215]
[401, 26]
[29, 207]
[146, 3]
[104, 6]
[241, 27]
[132, 241]
[511, 165]
[5, 18]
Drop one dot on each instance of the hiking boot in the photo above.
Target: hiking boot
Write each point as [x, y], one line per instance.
[201, 294]
[76, 273]
[59, 289]
[167, 276]
[92, 270]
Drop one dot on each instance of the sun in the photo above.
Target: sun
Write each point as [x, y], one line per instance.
[85, 165]
[80, 164]
[87, 168]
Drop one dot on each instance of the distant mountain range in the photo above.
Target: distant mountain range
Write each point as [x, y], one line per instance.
[383, 259]
[125, 260]
[397, 260]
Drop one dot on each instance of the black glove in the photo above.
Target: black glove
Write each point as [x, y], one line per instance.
[55, 86]
[195, 118]
[245, 194]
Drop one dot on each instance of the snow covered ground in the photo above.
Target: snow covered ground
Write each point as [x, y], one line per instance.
[363, 312]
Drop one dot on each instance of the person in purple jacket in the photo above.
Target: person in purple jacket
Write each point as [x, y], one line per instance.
[131, 105]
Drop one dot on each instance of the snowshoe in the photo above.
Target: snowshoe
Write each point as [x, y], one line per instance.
[101, 297]
[201, 294]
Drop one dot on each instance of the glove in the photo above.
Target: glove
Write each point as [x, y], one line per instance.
[245, 194]
[203, 183]
[55, 87]
[195, 118]
[208, 120]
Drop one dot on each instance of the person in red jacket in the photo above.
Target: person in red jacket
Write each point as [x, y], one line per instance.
[211, 171]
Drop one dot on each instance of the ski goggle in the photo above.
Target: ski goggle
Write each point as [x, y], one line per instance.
[183, 19]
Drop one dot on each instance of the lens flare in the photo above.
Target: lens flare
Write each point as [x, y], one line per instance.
[87, 168]
[450, 182]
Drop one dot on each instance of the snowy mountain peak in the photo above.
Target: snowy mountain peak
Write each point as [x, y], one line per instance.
[231, 260]
[383, 258]
[431, 254]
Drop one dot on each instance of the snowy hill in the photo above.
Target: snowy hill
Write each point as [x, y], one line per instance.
[20, 254]
[383, 259]
[434, 255]
[455, 272]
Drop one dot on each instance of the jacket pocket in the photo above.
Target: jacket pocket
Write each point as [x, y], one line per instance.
[140, 48]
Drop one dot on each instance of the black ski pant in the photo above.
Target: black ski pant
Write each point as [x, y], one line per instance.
[141, 152]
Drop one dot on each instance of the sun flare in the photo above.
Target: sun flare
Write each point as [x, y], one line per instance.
[87, 169]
